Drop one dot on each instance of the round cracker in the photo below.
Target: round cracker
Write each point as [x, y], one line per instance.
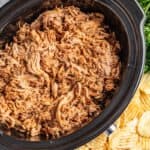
[133, 111]
[120, 123]
[123, 139]
[99, 143]
[145, 99]
[145, 83]
[144, 125]
[144, 143]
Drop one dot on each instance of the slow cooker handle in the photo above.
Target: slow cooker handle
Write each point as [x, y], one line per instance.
[110, 130]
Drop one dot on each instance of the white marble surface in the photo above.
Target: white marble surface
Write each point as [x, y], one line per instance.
[3, 2]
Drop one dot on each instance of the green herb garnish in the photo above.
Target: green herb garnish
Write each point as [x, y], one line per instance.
[146, 6]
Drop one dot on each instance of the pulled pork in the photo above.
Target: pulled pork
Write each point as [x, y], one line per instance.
[55, 71]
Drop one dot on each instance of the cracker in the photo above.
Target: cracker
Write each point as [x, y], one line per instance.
[144, 125]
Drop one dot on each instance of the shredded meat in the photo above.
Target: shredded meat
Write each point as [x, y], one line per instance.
[55, 71]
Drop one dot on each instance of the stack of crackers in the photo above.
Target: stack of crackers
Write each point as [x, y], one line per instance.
[133, 126]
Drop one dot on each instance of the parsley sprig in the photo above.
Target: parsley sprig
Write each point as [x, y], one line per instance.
[146, 6]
